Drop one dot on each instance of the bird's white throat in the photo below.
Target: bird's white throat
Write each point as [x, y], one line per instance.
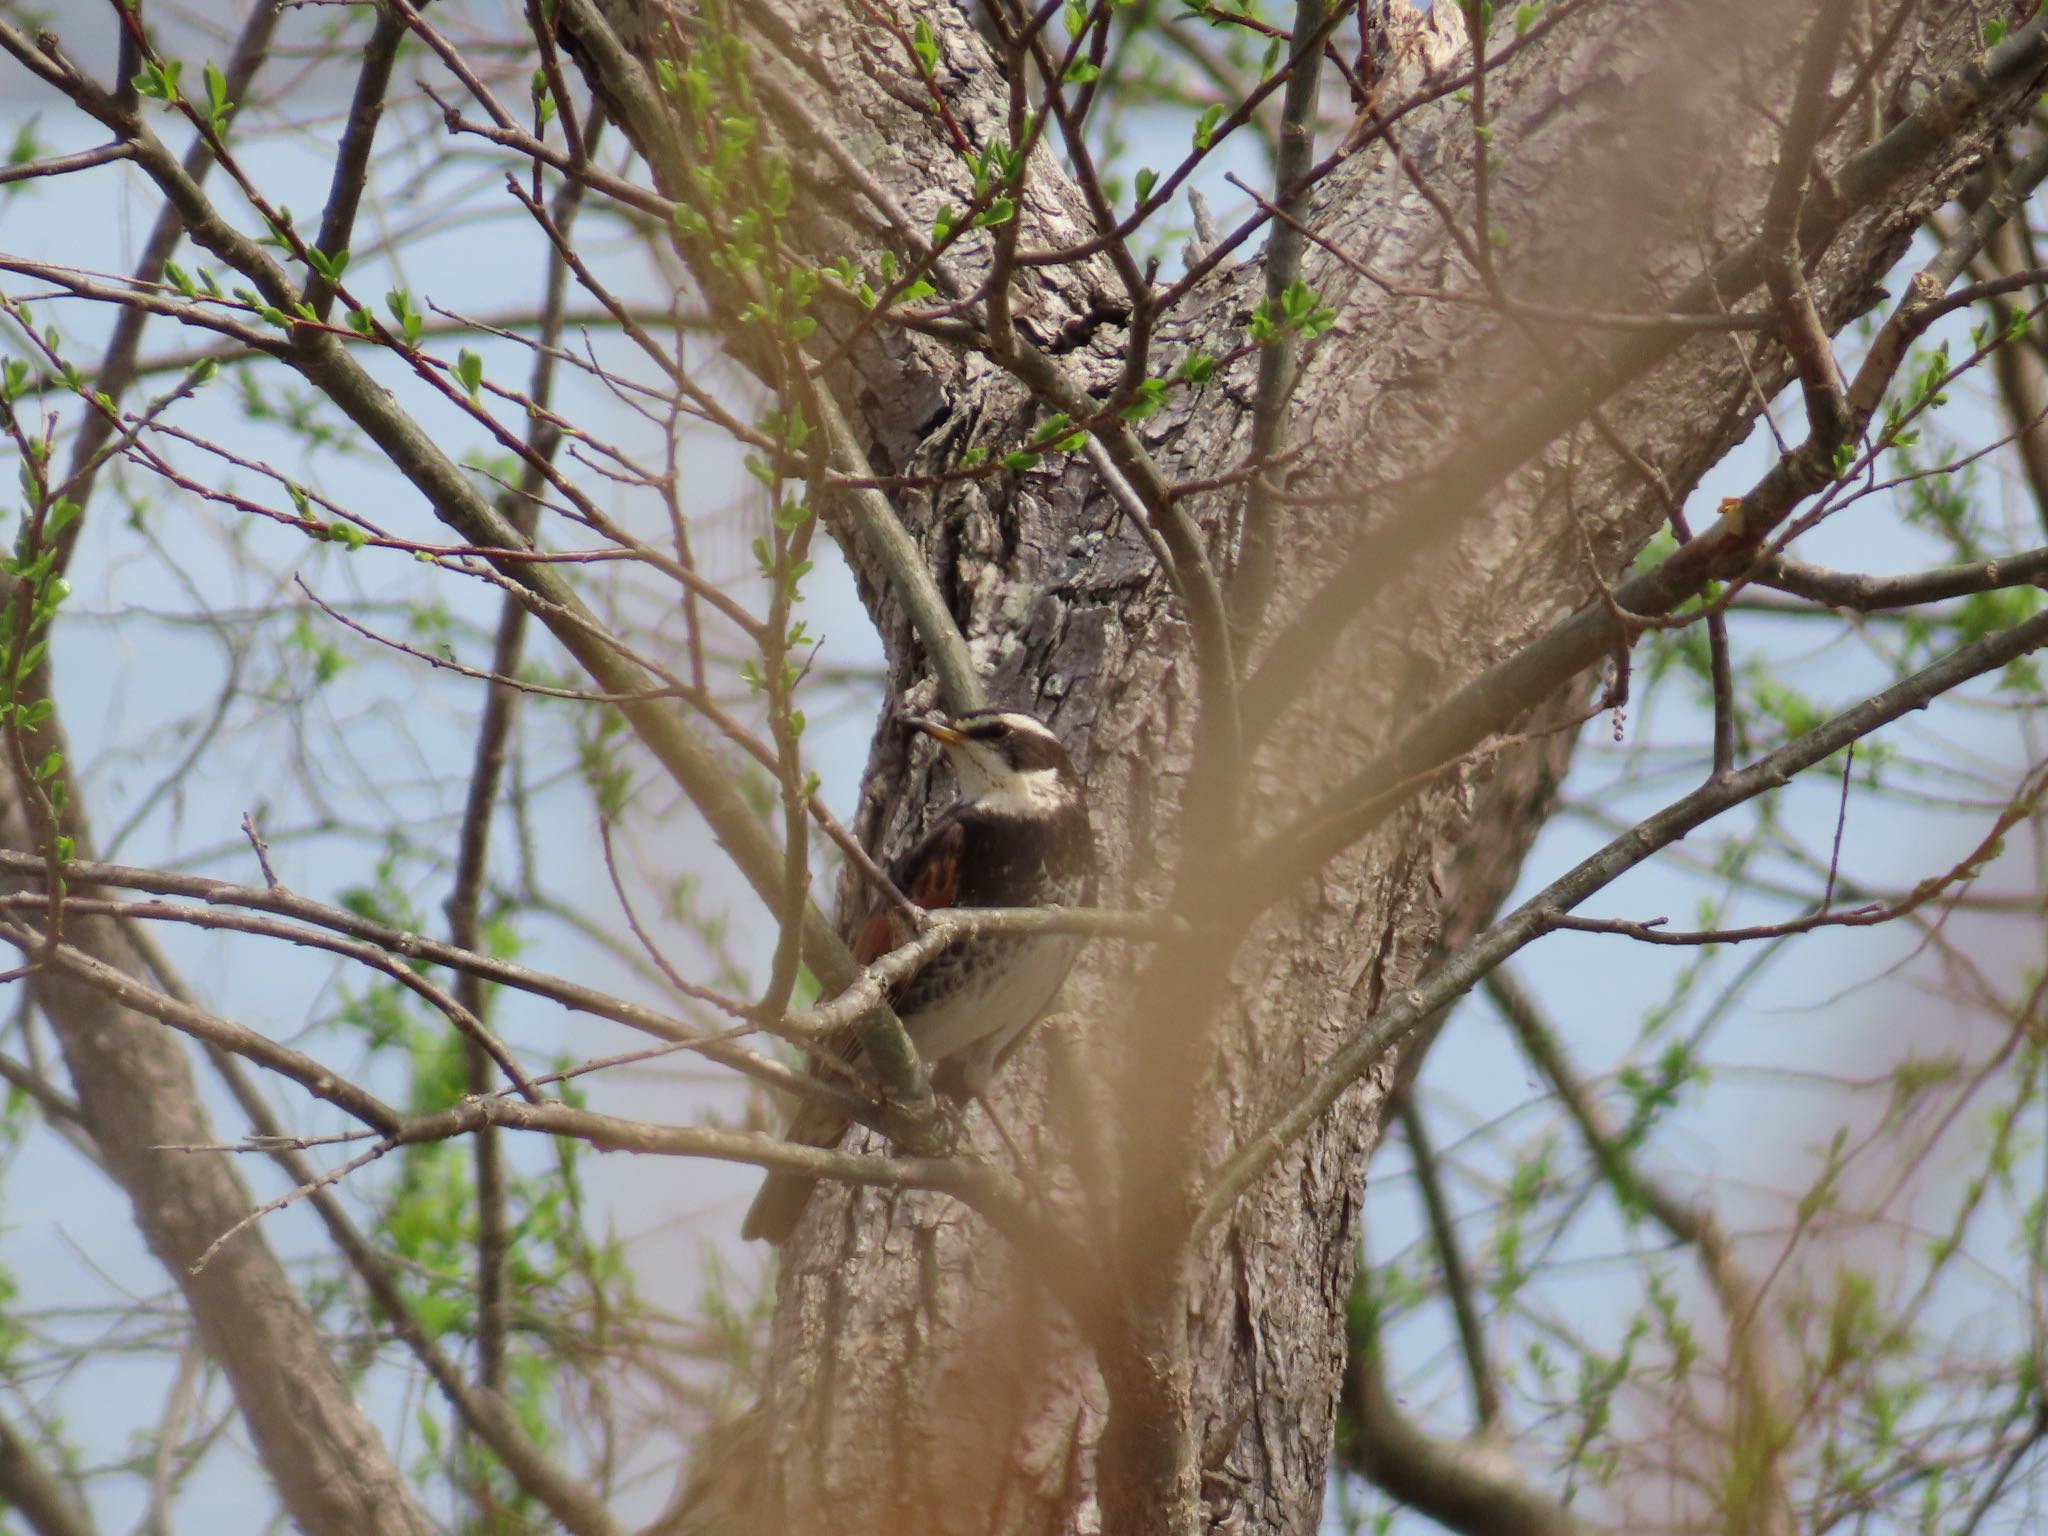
[1009, 791]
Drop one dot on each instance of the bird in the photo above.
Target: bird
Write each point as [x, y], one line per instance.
[1018, 836]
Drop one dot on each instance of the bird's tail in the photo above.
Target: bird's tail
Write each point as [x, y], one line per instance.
[780, 1204]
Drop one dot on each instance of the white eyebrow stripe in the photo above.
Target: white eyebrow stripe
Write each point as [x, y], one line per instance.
[1021, 724]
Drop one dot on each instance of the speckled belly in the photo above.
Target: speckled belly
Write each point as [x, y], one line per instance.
[985, 992]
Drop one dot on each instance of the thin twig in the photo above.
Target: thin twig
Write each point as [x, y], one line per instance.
[1690, 1221]
[1279, 360]
[1457, 1276]
[880, 536]
[1370, 1042]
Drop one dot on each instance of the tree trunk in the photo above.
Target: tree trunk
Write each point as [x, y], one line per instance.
[924, 1373]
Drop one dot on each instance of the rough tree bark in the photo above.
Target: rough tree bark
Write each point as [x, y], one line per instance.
[922, 1375]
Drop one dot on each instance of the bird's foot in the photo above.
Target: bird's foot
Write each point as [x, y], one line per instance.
[964, 1080]
[1018, 1166]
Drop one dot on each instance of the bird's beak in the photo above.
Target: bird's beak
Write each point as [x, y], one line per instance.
[937, 729]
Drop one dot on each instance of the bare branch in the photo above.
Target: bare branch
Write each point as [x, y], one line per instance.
[1279, 362]
[1443, 1235]
[1370, 1042]
[33, 1492]
[1471, 1488]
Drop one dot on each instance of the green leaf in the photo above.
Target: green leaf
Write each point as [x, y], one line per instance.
[1146, 180]
[399, 302]
[1205, 125]
[1197, 367]
[1151, 396]
[469, 369]
[217, 104]
[1993, 32]
[26, 145]
[1082, 72]
[1022, 459]
[925, 46]
[1526, 17]
[159, 82]
[998, 212]
[1262, 328]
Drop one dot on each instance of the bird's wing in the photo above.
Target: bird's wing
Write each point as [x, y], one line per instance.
[929, 875]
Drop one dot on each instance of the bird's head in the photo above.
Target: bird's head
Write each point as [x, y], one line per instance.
[1005, 761]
